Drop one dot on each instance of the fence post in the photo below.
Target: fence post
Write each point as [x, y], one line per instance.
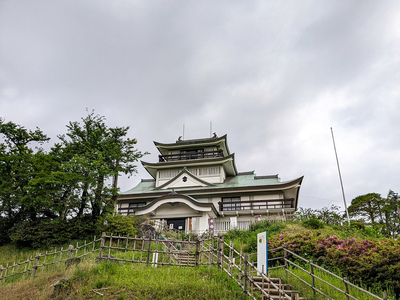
[312, 277]
[218, 250]
[245, 273]
[148, 251]
[230, 257]
[240, 262]
[94, 243]
[197, 251]
[346, 287]
[211, 253]
[70, 250]
[385, 296]
[294, 295]
[109, 247]
[102, 241]
[285, 262]
[221, 256]
[35, 264]
[1, 272]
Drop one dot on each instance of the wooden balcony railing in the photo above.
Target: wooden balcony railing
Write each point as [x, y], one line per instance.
[191, 155]
[256, 204]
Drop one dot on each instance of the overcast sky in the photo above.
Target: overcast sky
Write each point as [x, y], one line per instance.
[274, 76]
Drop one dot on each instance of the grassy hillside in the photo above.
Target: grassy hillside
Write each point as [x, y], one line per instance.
[90, 280]
[134, 281]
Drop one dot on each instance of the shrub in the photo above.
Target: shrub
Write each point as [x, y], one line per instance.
[313, 223]
[372, 263]
[120, 225]
[40, 234]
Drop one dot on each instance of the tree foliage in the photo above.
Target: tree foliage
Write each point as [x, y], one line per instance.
[380, 213]
[72, 186]
[370, 212]
[369, 206]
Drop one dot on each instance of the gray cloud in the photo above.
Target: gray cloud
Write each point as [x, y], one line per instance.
[274, 76]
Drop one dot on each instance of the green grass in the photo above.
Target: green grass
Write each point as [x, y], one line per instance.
[10, 254]
[137, 281]
[129, 281]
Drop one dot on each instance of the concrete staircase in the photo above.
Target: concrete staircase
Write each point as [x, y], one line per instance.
[273, 293]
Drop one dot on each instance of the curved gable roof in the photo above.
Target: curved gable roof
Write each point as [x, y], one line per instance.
[191, 202]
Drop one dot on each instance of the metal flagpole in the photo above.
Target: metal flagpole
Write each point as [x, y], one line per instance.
[340, 177]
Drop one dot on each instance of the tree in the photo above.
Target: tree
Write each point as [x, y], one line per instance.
[330, 215]
[391, 214]
[17, 169]
[97, 155]
[368, 206]
[380, 212]
[67, 192]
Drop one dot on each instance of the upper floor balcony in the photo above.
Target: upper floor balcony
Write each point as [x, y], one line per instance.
[271, 204]
[191, 155]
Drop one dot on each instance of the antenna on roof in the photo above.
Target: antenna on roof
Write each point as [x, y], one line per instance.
[183, 132]
[210, 127]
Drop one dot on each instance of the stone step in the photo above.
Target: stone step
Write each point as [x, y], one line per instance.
[273, 293]
[274, 280]
[267, 285]
[281, 298]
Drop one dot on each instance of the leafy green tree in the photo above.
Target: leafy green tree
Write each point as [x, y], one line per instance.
[17, 169]
[330, 215]
[369, 207]
[65, 193]
[380, 212]
[96, 154]
[391, 214]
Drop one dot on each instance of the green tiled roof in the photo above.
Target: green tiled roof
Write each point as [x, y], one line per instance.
[241, 180]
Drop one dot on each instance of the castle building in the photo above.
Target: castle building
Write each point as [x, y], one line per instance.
[196, 188]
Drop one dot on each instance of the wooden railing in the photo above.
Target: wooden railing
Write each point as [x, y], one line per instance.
[212, 251]
[239, 267]
[31, 265]
[256, 204]
[309, 274]
[190, 155]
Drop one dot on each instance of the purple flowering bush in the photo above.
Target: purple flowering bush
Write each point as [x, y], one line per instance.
[371, 263]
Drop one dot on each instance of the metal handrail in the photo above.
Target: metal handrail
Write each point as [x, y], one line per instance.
[313, 276]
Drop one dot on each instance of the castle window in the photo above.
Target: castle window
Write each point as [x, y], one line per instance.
[168, 174]
[192, 154]
[231, 203]
[209, 171]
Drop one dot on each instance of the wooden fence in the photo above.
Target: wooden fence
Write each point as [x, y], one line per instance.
[156, 252]
[312, 276]
[31, 265]
[210, 251]
[243, 269]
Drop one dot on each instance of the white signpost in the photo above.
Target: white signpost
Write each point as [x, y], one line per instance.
[262, 253]
[233, 222]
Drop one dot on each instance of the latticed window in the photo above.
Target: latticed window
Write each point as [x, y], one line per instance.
[168, 173]
[205, 171]
[209, 171]
[231, 203]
